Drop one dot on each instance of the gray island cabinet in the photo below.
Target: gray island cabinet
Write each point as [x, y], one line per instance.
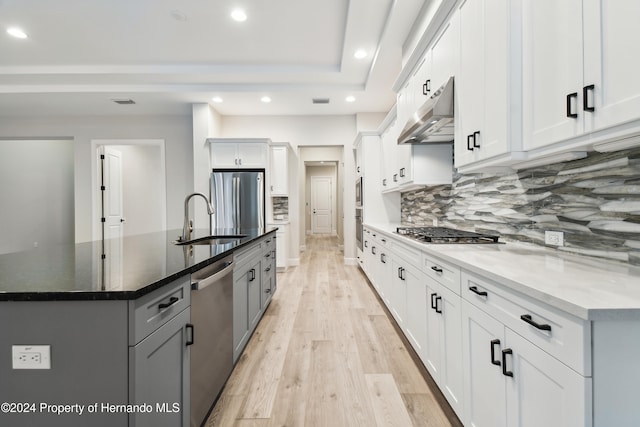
[120, 349]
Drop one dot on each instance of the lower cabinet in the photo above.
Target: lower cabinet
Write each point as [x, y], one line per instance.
[254, 283]
[512, 382]
[159, 375]
[443, 352]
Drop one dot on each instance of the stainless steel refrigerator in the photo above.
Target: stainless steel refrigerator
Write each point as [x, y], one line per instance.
[237, 197]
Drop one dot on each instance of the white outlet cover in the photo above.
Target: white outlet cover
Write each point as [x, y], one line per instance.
[31, 356]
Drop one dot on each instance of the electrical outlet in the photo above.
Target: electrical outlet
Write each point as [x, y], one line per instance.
[31, 356]
[554, 238]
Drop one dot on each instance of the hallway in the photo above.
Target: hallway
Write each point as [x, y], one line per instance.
[326, 354]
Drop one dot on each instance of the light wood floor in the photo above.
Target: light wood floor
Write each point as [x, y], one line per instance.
[326, 354]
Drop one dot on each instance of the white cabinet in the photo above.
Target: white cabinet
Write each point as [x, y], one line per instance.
[579, 73]
[487, 97]
[235, 154]
[390, 151]
[520, 363]
[279, 170]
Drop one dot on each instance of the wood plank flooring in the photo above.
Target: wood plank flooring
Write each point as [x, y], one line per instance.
[326, 354]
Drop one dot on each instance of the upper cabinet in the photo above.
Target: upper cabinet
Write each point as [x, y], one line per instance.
[487, 117]
[579, 73]
[279, 170]
[238, 154]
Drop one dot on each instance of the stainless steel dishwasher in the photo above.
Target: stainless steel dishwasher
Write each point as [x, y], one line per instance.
[212, 349]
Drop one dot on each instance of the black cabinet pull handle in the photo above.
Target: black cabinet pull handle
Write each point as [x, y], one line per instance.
[504, 362]
[384, 240]
[402, 270]
[493, 352]
[438, 310]
[543, 327]
[475, 140]
[190, 336]
[433, 301]
[402, 172]
[395, 177]
[366, 244]
[267, 269]
[399, 272]
[585, 98]
[268, 255]
[383, 258]
[569, 109]
[426, 87]
[172, 301]
[253, 274]
[475, 290]
[384, 182]
[436, 269]
[373, 250]
[469, 146]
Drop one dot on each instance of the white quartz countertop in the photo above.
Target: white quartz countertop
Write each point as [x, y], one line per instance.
[588, 288]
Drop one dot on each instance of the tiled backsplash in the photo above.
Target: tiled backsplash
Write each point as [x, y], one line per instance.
[280, 207]
[595, 201]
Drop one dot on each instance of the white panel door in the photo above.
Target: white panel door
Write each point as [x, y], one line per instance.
[113, 215]
[321, 204]
[451, 377]
[611, 37]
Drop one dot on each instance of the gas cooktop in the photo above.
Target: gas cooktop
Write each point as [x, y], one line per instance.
[445, 235]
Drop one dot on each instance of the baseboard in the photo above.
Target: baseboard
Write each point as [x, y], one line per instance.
[350, 261]
[293, 262]
[303, 248]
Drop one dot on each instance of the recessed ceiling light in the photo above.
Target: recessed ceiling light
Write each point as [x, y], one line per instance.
[178, 15]
[360, 53]
[265, 99]
[216, 99]
[17, 33]
[350, 98]
[238, 15]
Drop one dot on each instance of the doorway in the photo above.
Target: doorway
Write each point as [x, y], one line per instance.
[134, 199]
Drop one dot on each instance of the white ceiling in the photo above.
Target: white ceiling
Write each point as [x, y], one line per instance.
[168, 54]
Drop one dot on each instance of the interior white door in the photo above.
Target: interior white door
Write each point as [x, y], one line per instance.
[113, 216]
[321, 204]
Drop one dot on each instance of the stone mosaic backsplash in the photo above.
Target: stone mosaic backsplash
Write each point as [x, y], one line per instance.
[595, 201]
[280, 207]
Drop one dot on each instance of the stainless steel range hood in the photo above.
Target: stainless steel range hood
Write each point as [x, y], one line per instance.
[433, 122]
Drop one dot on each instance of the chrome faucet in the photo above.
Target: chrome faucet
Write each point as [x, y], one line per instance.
[188, 224]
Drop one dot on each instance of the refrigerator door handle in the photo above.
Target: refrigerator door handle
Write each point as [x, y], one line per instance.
[236, 201]
[260, 202]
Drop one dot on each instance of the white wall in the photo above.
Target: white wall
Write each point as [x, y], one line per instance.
[302, 131]
[36, 193]
[175, 130]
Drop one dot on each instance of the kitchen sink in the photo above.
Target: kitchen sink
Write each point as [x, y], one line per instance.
[212, 240]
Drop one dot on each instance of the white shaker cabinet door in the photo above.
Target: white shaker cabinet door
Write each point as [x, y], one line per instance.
[485, 393]
[552, 71]
[612, 66]
[543, 391]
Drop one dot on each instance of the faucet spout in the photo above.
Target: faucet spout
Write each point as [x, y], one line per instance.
[187, 227]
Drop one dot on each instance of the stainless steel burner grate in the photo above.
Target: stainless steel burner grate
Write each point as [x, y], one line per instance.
[445, 235]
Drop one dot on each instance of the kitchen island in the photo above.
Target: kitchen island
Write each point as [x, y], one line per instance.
[114, 317]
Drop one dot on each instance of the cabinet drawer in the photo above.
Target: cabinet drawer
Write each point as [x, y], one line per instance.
[153, 310]
[563, 336]
[446, 274]
[405, 254]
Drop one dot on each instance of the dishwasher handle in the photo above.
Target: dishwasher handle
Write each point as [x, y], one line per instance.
[201, 283]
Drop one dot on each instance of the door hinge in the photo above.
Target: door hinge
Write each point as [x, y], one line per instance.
[103, 188]
[102, 156]
[103, 220]
[104, 256]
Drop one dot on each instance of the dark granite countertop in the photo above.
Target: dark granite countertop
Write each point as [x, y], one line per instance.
[80, 272]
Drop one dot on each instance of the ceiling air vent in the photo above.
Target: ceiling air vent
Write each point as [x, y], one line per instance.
[320, 100]
[123, 101]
